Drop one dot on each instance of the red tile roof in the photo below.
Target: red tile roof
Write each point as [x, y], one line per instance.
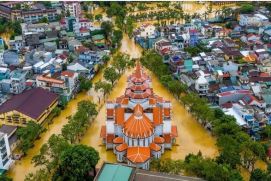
[122, 147]
[110, 138]
[138, 154]
[155, 147]
[110, 112]
[167, 138]
[67, 73]
[32, 102]
[138, 124]
[157, 116]
[119, 119]
[159, 140]
[118, 140]
[103, 132]
[174, 131]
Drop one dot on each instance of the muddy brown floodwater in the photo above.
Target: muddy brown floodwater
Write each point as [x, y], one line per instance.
[192, 137]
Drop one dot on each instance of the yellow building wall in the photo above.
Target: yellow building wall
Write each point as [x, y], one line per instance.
[16, 118]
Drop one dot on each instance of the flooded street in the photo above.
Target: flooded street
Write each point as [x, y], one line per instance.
[192, 137]
[24, 166]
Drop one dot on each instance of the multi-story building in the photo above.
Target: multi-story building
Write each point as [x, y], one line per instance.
[28, 16]
[17, 43]
[18, 78]
[31, 105]
[138, 125]
[73, 7]
[66, 85]
[5, 153]
[202, 86]
[4, 73]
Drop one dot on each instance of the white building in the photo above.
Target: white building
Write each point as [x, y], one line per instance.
[73, 7]
[253, 20]
[81, 27]
[202, 85]
[147, 30]
[17, 43]
[5, 153]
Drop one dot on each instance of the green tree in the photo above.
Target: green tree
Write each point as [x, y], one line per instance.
[104, 87]
[258, 175]
[98, 17]
[89, 16]
[105, 58]
[120, 61]
[111, 75]
[76, 162]
[44, 20]
[108, 28]
[50, 151]
[266, 132]
[27, 135]
[40, 175]
[85, 84]
[176, 88]
[251, 152]
[117, 37]
[88, 107]
[129, 26]
[229, 151]
[4, 177]
[68, 13]
[247, 8]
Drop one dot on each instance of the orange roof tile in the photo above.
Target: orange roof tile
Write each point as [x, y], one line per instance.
[119, 119]
[109, 138]
[152, 101]
[138, 154]
[67, 73]
[167, 112]
[118, 140]
[49, 79]
[159, 140]
[174, 131]
[167, 138]
[110, 112]
[157, 116]
[122, 147]
[103, 132]
[138, 124]
[138, 75]
[155, 147]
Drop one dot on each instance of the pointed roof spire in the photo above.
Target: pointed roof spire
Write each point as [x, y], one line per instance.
[138, 71]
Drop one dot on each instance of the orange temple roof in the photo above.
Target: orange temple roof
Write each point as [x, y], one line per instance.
[118, 140]
[119, 119]
[157, 116]
[138, 154]
[103, 132]
[155, 147]
[138, 124]
[122, 147]
[174, 131]
[159, 140]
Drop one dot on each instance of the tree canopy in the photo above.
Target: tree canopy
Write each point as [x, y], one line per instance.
[76, 163]
[111, 75]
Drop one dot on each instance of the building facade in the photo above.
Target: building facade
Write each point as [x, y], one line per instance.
[5, 153]
[138, 125]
